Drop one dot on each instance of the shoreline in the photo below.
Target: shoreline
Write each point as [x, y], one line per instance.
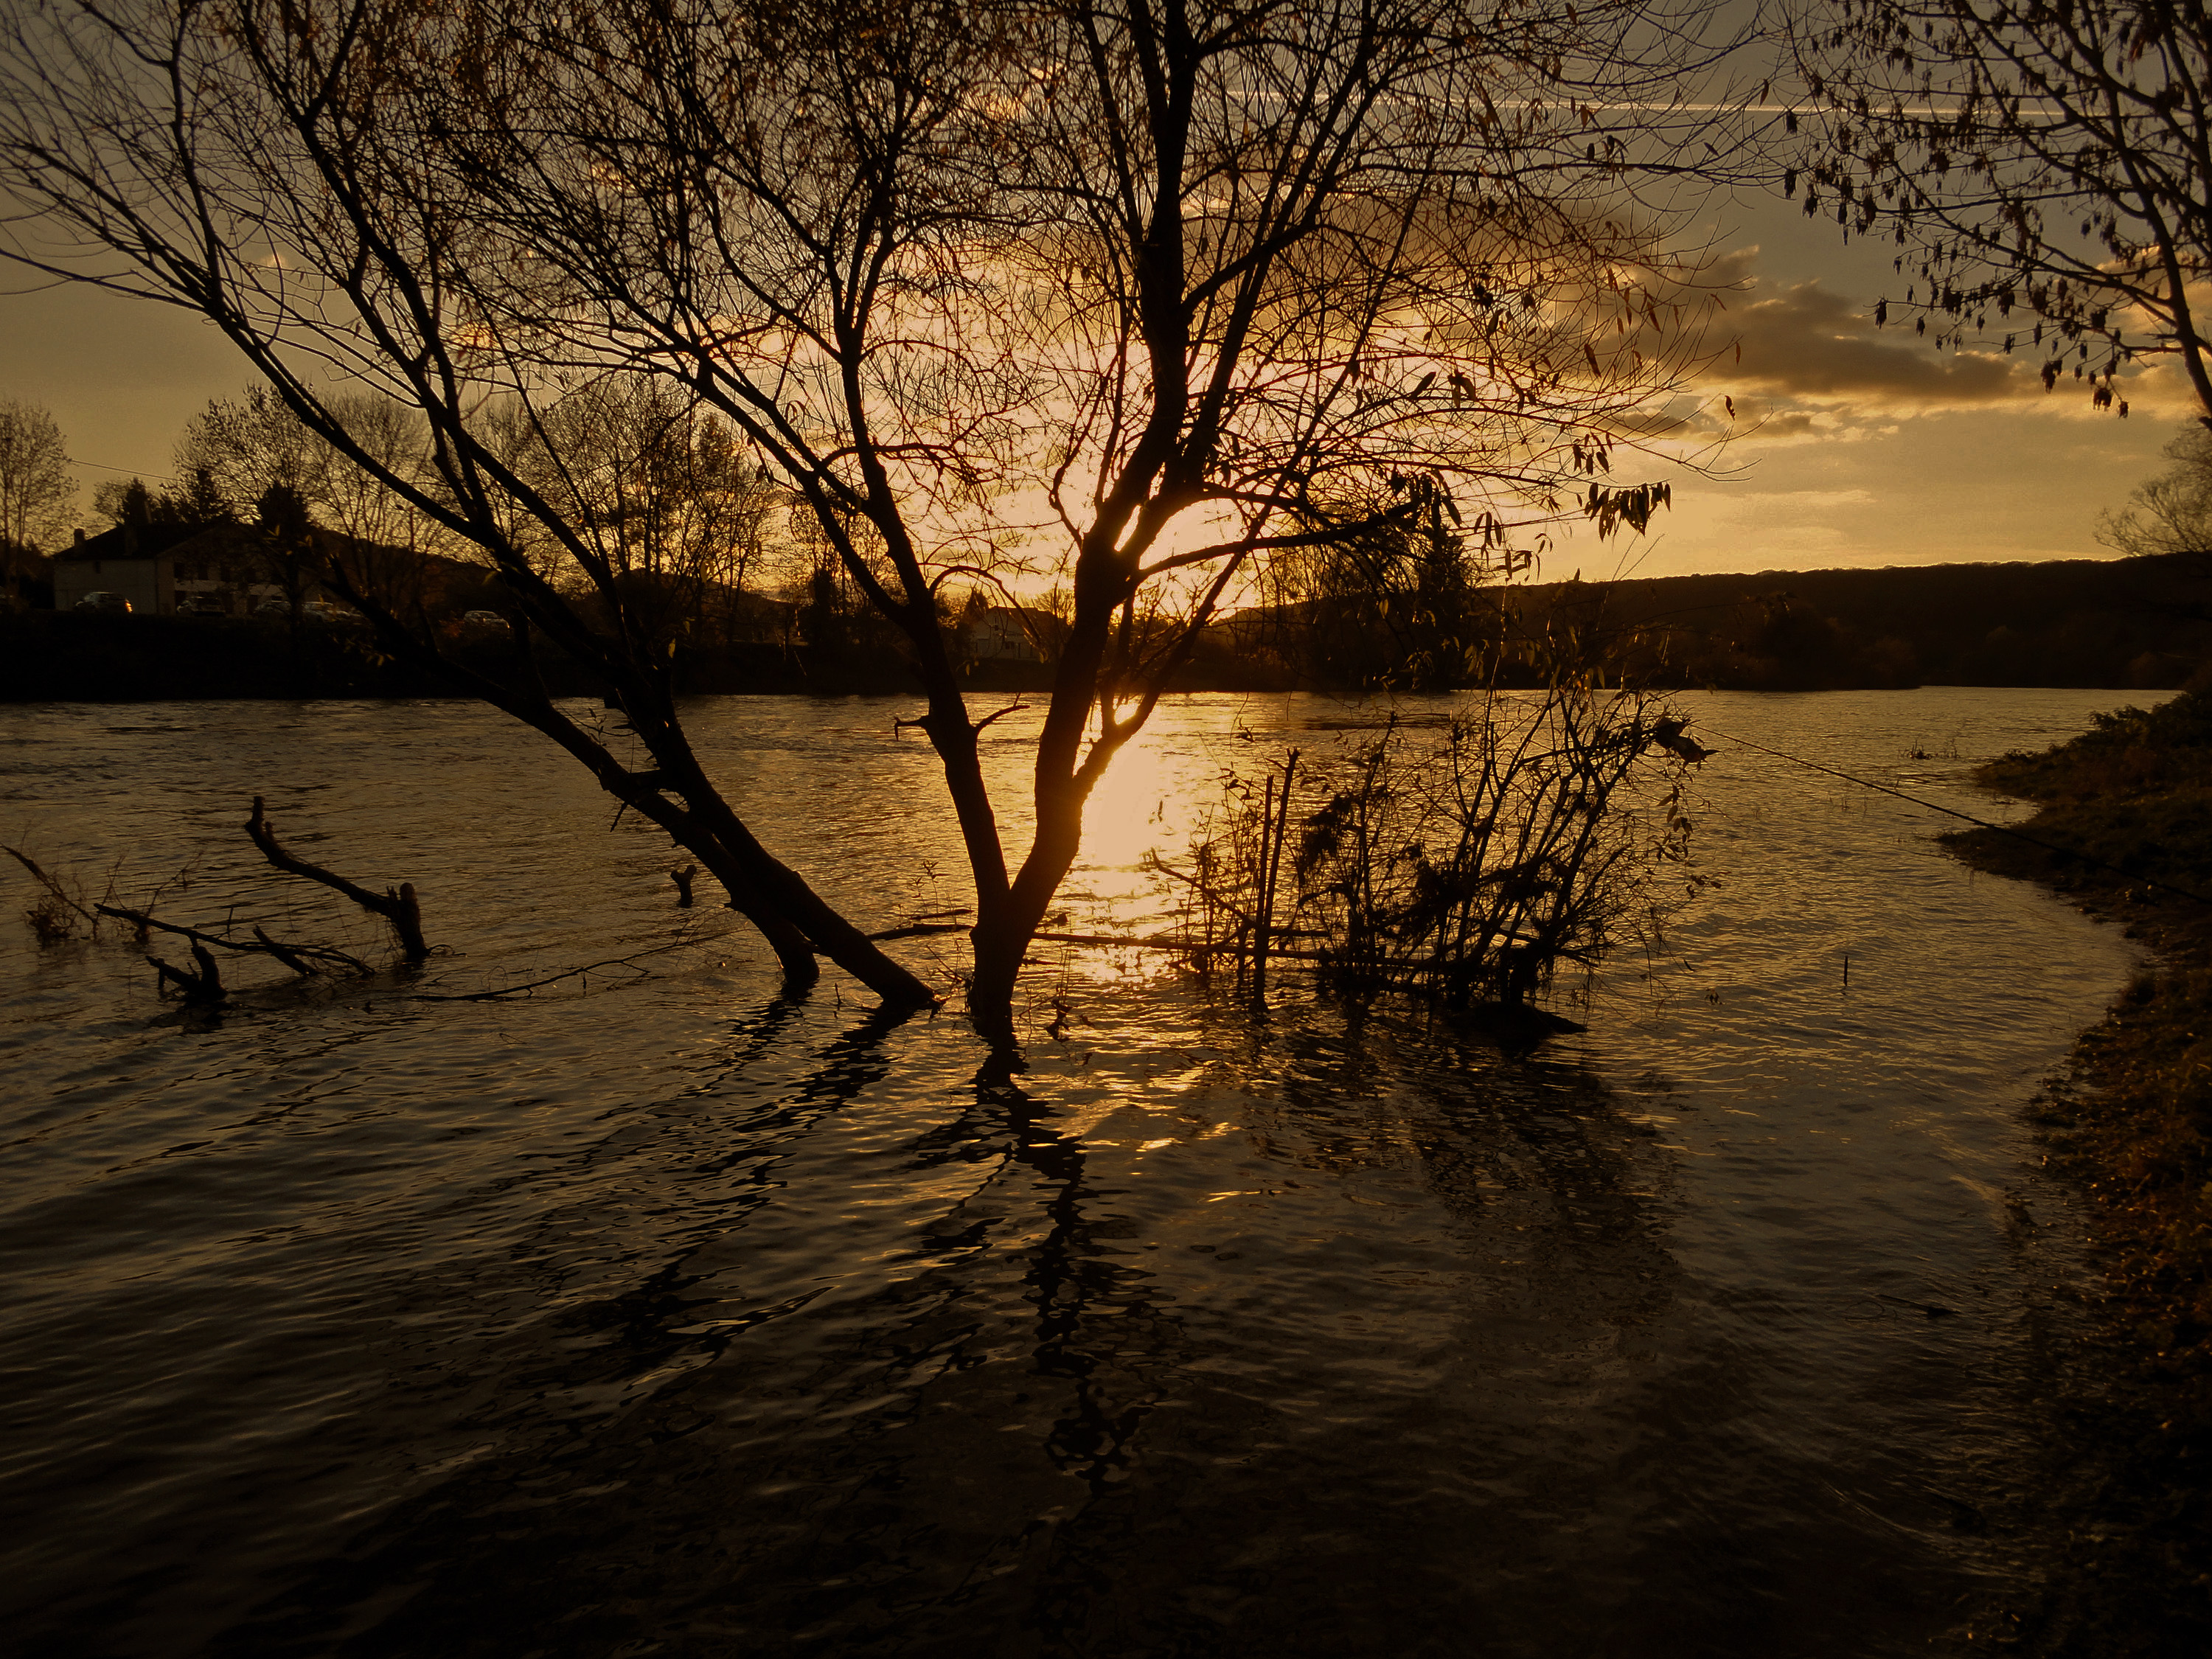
[72, 657]
[2127, 1126]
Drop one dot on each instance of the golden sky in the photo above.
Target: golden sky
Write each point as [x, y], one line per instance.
[1850, 446]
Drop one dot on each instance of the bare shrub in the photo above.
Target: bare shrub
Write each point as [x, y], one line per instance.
[1465, 865]
[55, 916]
[52, 920]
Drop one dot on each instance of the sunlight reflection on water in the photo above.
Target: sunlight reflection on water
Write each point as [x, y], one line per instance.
[674, 1316]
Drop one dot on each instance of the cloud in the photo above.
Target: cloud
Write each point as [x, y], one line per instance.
[1775, 428]
[1805, 342]
[1766, 504]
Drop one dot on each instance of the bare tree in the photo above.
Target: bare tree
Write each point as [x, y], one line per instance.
[119, 502]
[2171, 515]
[36, 487]
[290, 557]
[2051, 157]
[1166, 289]
[673, 506]
[1136, 295]
[288, 182]
[247, 446]
[382, 546]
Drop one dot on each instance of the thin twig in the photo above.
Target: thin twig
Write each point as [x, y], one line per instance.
[1979, 824]
[552, 979]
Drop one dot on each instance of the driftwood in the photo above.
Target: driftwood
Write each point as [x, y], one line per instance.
[300, 958]
[397, 906]
[926, 923]
[683, 878]
[283, 953]
[204, 989]
[202, 984]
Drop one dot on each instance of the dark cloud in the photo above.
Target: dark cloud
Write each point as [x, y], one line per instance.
[1805, 341]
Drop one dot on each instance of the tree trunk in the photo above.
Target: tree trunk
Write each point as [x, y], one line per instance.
[1004, 930]
[789, 914]
[769, 892]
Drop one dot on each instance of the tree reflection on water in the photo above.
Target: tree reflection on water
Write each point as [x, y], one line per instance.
[1238, 1391]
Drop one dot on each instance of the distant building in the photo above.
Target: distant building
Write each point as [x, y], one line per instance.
[1002, 634]
[163, 567]
[157, 566]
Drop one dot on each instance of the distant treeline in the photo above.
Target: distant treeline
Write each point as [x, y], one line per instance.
[2144, 623]
[2138, 623]
[49, 656]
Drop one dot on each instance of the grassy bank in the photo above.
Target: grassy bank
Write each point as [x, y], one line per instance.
[2132, 1128]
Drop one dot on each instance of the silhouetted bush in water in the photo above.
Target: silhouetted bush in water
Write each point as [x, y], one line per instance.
[54, 916]
[52, 921]
[1532, 833]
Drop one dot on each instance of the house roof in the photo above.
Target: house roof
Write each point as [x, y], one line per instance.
[154, 541]
[1019, 615]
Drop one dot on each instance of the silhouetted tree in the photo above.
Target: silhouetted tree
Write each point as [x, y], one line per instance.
[1128, 294]
[36, 489]
[36, 486]
[289, 556]
[200, 503]
[2172, 512]
[2051, 158]
[676, 512]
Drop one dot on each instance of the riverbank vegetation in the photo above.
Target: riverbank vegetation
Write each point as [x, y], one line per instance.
[2131, 800]
[1467, 865]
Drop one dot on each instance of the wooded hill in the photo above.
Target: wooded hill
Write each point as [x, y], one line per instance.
[2137, 623]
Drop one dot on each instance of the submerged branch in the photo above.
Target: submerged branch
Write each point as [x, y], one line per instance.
[294, 957]
[202, 989]
[397, 906]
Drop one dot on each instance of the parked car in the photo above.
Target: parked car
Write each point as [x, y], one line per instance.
[113, 605]
[333, 616]
[481, 619]
[273, 606]
[202, 605]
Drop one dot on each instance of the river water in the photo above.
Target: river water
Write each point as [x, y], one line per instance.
[647, 1314]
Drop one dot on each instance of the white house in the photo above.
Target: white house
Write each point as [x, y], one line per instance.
[158, 566]
[1002, 634]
